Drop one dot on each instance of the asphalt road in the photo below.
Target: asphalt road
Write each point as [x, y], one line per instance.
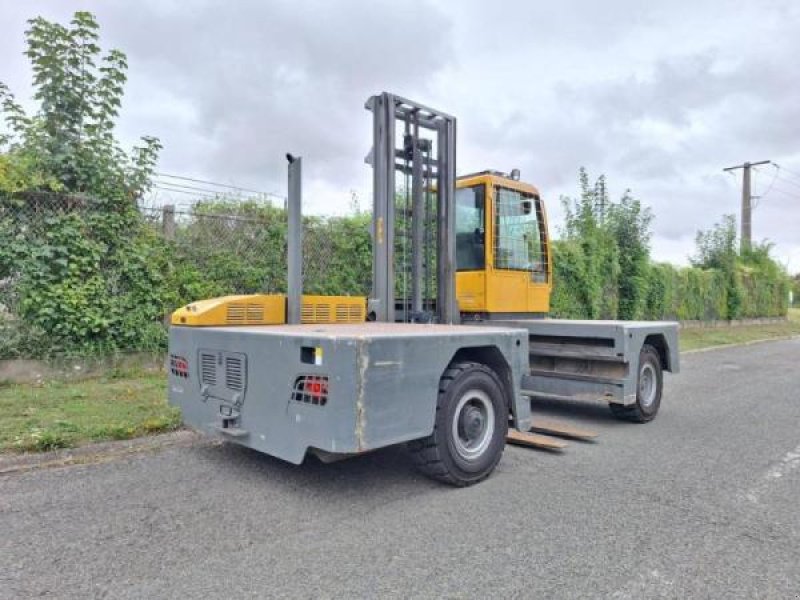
[704, 502]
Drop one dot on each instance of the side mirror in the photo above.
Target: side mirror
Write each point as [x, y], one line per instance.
[526, 206]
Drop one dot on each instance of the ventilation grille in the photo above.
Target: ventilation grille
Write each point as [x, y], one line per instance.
[234, 378]
[316, 313]
[236, 313]
[223, 375]
[208, 368]
[333, 309]
[349, 313]
[255, 312]
[311, 389]
[240, 313]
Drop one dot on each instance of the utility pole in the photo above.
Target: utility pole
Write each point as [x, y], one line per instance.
[746, 224]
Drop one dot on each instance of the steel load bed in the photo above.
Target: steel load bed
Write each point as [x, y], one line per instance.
[380, 381]
[592, 359]
[346, 389]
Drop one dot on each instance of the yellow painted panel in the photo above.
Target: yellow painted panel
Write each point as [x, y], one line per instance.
[269, 309]
[252, 309]
[334, 309]
[507, 291]
[539, 297]
[471, 291]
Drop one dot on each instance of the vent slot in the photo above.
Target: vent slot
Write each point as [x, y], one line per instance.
[234, 379]
[236, 313]
[323, 313]
[208, 368]
[255, 312]
[343, 313]
[316, 313]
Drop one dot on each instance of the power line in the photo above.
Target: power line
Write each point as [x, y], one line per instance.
[195, 192]
[197, 195]
[785, 170]
[217, 184]
[790, 182]
[195, 188]
[795, 195]
[766, 193]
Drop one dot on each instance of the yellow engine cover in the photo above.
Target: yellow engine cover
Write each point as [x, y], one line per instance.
[334, 309]
[253, 309]
[269, 309]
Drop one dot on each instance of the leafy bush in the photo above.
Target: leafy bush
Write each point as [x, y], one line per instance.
[86, 272]
[602, 268]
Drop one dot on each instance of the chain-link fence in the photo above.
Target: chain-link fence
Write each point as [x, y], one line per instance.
[244, 251]
[85, 273]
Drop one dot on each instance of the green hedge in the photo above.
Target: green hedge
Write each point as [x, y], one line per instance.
[682, 293]
[85, 279]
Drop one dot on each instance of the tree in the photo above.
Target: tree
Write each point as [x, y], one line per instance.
[86, 272]
[717, 249]
[71, 138]
[629, 225]
[586, 262]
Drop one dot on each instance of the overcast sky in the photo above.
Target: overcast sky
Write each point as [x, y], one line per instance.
[659, 97]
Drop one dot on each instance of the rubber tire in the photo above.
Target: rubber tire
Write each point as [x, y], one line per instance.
[435, 455]
[638, 413]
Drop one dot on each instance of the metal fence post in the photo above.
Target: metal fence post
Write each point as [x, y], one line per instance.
[168, 221]
[294, 241]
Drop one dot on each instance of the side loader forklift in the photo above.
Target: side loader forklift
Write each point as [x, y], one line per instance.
[448, 350]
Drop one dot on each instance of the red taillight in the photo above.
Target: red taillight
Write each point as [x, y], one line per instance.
[311, 389]
[178, 366]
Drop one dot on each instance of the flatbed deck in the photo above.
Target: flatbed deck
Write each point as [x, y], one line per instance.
[367, 331]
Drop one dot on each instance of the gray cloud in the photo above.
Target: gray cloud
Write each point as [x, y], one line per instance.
[657, 97]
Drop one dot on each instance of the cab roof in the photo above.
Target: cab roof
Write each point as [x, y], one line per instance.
[497, 178]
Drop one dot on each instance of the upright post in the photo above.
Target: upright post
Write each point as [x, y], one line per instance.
[746, 223]
[417, 222]
[383, 212]
[168, 221]
[747, 209]
[446, 203]
[294, 241]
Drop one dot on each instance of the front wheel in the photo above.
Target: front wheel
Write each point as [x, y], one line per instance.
[470, 428]
[649, 385]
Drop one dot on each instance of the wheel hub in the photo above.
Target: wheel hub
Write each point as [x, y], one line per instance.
[473, 424]
[647, 385]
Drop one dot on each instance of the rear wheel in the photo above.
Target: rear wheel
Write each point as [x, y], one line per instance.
[470, 429]
[650, 383]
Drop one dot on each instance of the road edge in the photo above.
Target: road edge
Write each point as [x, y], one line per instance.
[782, 338]
[99, 453]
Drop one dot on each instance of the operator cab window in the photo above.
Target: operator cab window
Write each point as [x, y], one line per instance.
[519, 242]
[470, 232]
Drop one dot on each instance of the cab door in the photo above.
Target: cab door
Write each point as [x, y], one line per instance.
[518, 277]
[471, 238]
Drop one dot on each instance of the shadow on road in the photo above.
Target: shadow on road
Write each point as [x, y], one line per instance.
[385, 469]
[574, 410]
